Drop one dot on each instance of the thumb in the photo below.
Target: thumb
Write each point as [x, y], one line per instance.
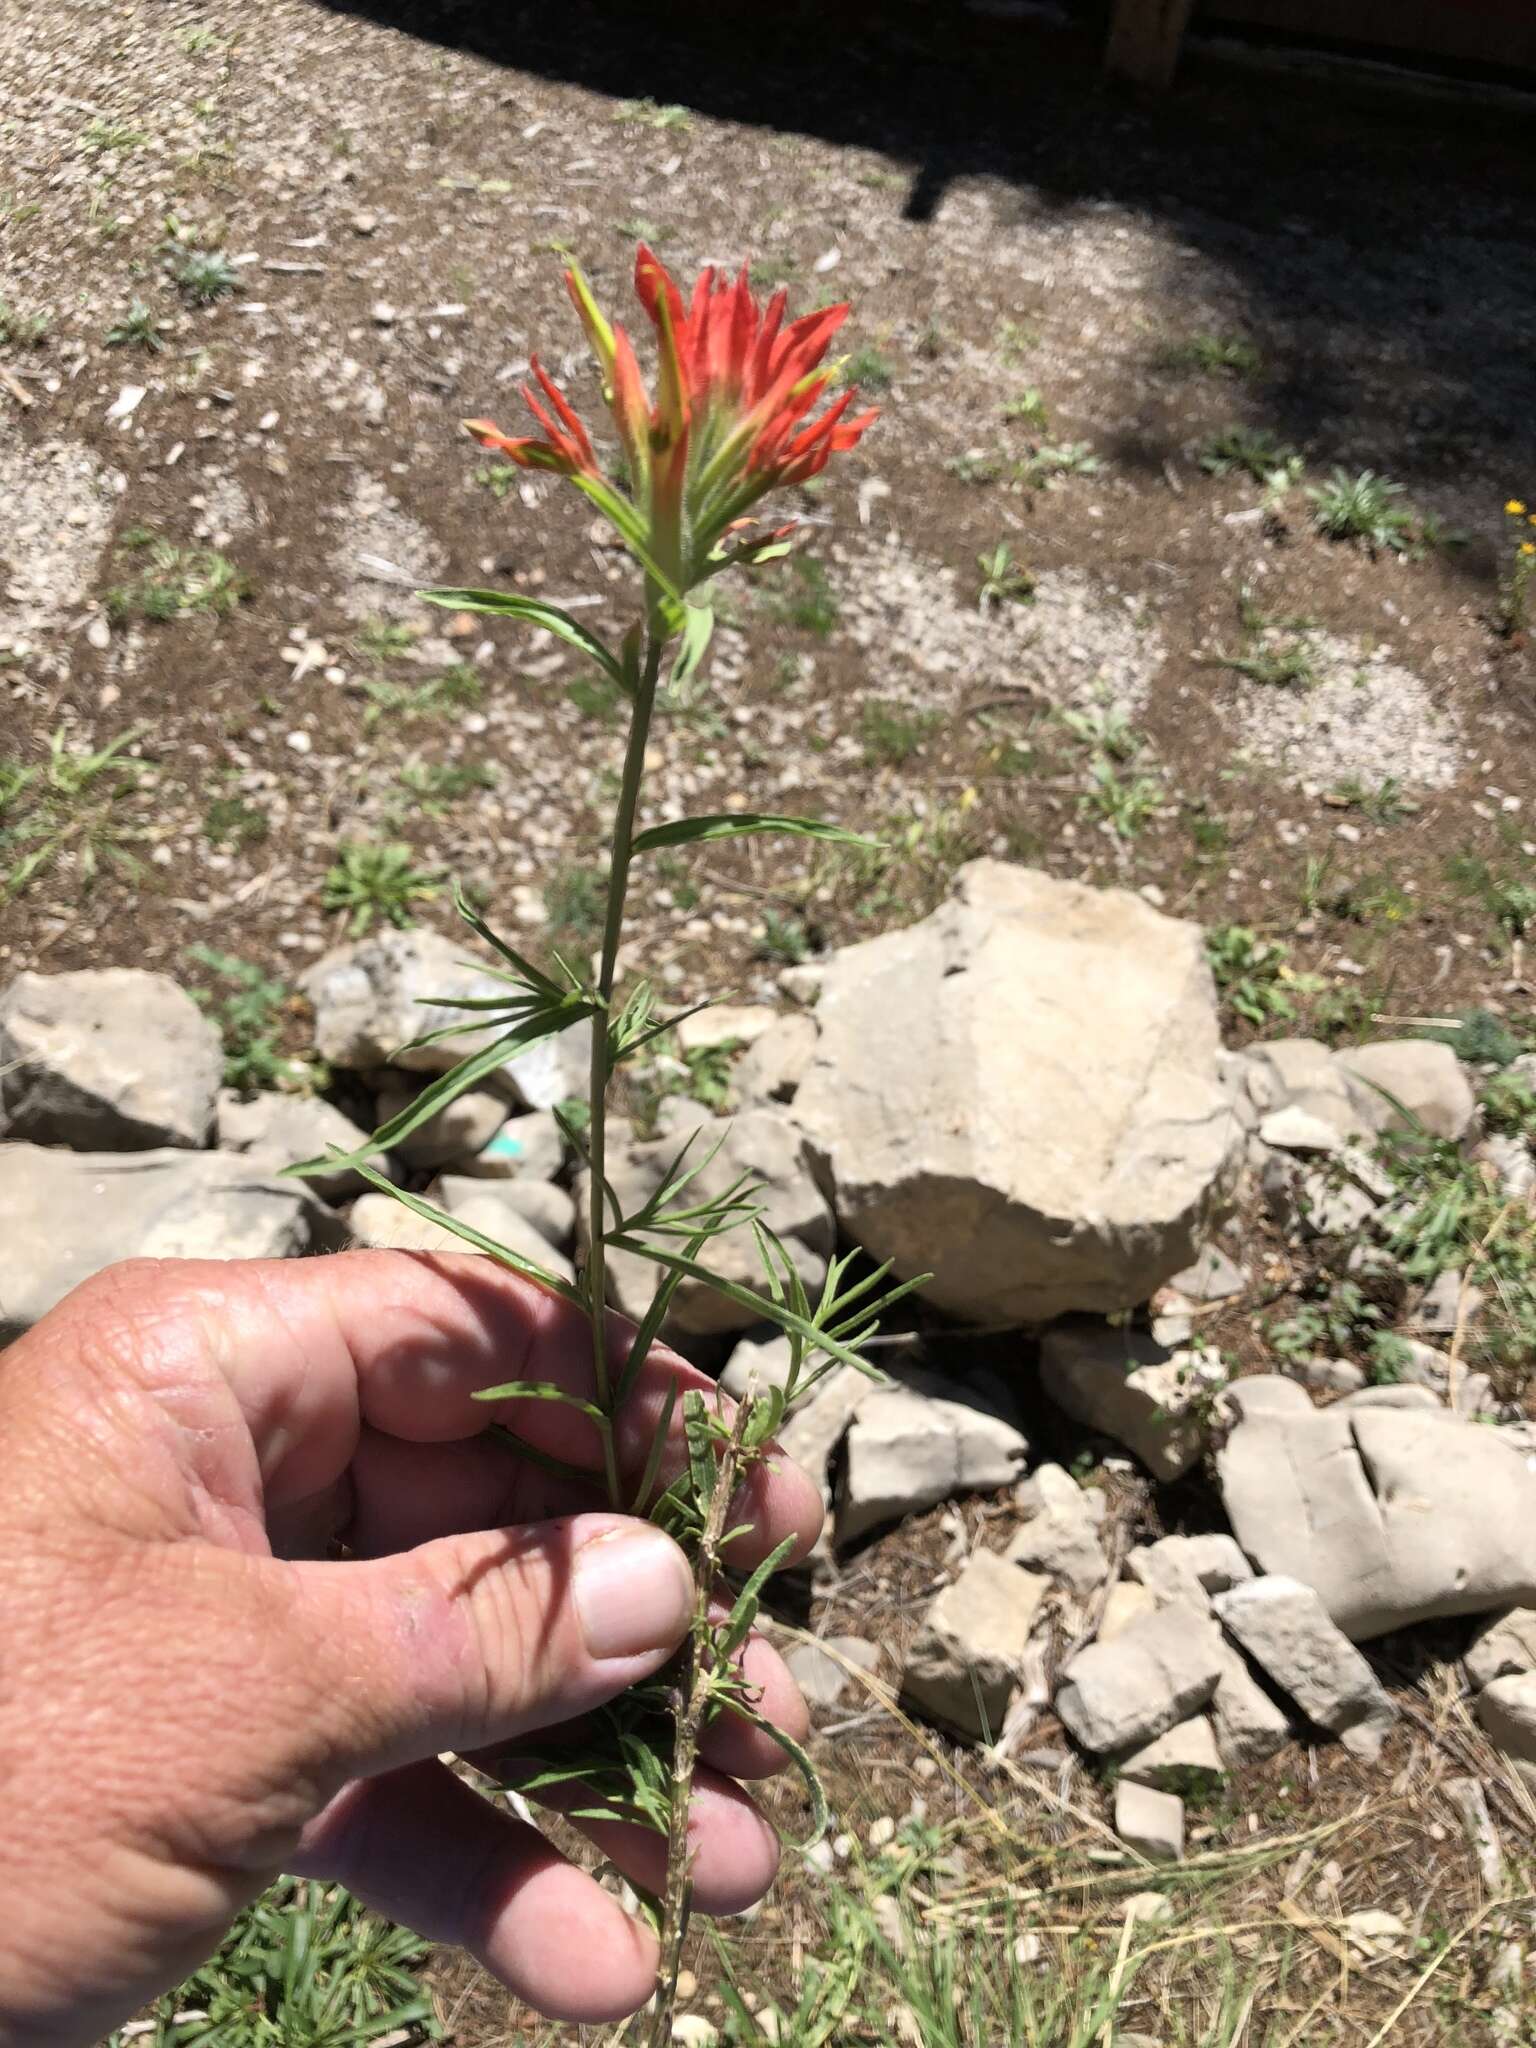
[483, 1637]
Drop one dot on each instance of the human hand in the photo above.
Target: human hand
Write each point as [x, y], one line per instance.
[195, 1695]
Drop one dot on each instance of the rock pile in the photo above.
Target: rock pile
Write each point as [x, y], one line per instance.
[1026, 1095]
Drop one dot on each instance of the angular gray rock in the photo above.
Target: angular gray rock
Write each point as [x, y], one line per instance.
[369, 1003]
[821, 1669]
[1285, 1630]
[1263, 1396]
[1188, 1568]
[1127, 1385]
[776, 1155]
[1301, 1074]
[771, 1072]
[1250, 1726]
[969, 1653]
[65, 1215]
[1021, 1096]
[907, 1449]
[1506, 1707]
[1149, 1821]
[1212, 1276]
[1182, 1759]
[764, 1365]
[1505, 1648]
[106, 1059]
[387, 1225]
[273, 1131]
[1155, 1674]
[1392, 1516]
[1425, 1077]
[814, 1432]
[528, 1147]
[550, 1210]
[1124, 1604]
[457, 1131]
[1061, 1537]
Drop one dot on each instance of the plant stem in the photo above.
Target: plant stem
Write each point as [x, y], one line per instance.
[691, 1719]
[597, 1129]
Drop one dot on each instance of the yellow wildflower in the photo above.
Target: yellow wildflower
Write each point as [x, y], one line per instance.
[1528, 547]
[1514, 508]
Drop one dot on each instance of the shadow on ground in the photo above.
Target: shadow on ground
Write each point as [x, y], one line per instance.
[1385, 238]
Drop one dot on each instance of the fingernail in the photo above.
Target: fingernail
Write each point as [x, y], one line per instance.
[634, 1592]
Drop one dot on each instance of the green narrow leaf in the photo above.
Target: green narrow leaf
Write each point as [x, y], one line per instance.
[658, 1448]
[538, 1390]
[545, 1460]
[548, 1023]
[743, 1616]
[802, 1763]
[529, 1269]
[524, 967]
[534, 612]
[742, 824]
[767, 1414]
[698, 625]
[701, 1447]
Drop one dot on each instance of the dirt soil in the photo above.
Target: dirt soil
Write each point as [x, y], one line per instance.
[1060, 297]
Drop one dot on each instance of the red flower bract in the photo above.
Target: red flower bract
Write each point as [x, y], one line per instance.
[732, 419]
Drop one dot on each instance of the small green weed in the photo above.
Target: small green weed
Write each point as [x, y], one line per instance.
[804, 597]
[1338, 1319]
[1029, 406]
[1363, 507]
[1381, 804]
[1254, 451]
[1514, 610]
[1507, 891]
[455, 688]
[595, 697]
[573, 898]
[248, 1005]
[384, 640]
[1479, 1037]
[783, 938]
[1015, 340]
[891, 734]
[1003, 580]
[975, 466]
[870, 368]
[499, 478]
[1051, 463]
[1209, 834]
[77, 808]
[177, 583]
[138, 328]
[1509, 1104]
[370, 880]
[22, 330]
[231, 821]
[203, 276]
[1279, 665]
[102, 137]
[433, 786]
[1213, 355]
[1253, 975]
[1126, 803]
[647, 113]
[306, 1966]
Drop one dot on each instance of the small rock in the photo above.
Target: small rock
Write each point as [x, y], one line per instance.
[66, 1215]
[456, 1132]
[1151, 1909]
[1425, 1077]
[692, 2030]
[1212, 1277]
[1505, 1648]
[1159, 1671]
[1149, 1821]
[1506, 1707]
[1123, 1383]
[529, 1147]
[106, 1059]
[274, 1131]
[1188, 1567]
[725, 1024]
[1263, 1396]
[1284, 1627]
[969, 1654]
[387, 1225]
[1182, 1759]
[1299, 1073]
[1471, 1803]
[1296, 1130]
[1512, 1163]
[1126, 1602]
[1440, 1309]
[908, 1450]
[1331, 1375]
[776, 1065]
[1061, 1538]
[815, 1431]
[1249, 1725]
[549, 1209]
[762, 1365]
[802, 983]
[365, 223]
[1376, 1935]
[821, 1670]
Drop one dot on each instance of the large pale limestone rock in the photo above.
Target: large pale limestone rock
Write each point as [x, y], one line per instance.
[1123, 1382]
[371, 998]
[1156, 1673]
[777, 1158]
[909, 1448]
[1392, 1515]
[274, 1131]
[1426, 1078]
[1021, 1096]
[66, 1215]
[106, 1059]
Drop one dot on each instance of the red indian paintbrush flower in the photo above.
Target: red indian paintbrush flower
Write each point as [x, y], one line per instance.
[736, 389]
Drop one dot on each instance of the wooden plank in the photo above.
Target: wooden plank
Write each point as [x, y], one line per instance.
[1499, 32]
[1144, 40]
